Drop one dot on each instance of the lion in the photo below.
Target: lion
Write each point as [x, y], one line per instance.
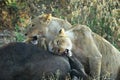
[63, 39]
[46, 26]
[99, 57]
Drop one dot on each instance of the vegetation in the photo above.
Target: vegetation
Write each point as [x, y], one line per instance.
[102, 16]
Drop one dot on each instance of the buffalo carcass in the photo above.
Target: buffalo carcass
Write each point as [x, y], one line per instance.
[21, 61]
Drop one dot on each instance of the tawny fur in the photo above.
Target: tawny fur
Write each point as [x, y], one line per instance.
[99, 57]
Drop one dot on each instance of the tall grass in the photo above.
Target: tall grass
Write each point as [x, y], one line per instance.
[102, 16]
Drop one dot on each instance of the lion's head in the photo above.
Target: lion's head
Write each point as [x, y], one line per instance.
[61, 44]
[38, 25]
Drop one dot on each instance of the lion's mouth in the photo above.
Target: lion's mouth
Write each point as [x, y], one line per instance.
[68, 52]
[34, 40]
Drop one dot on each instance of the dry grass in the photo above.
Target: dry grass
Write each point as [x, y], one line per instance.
[102, 16]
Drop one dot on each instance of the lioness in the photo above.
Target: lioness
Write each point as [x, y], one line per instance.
[46, 26]
[99, 57]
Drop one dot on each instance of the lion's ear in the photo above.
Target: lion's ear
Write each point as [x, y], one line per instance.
[45, 17]
[48, 17]
[62, 32]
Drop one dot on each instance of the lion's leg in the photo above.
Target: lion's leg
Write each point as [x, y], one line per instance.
[95, 67]
[93, 54]
[95, 60]
[42, 43]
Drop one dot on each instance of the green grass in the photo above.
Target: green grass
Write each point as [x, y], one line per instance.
[102, 16]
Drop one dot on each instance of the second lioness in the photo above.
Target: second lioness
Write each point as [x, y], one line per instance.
[99, 57]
